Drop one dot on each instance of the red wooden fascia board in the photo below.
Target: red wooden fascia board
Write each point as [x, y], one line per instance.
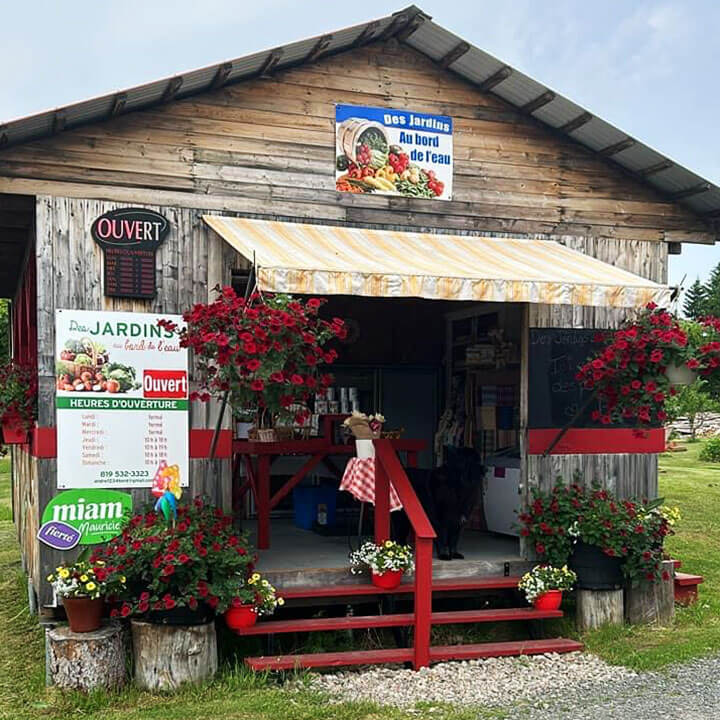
[595, 441]
[43, 443]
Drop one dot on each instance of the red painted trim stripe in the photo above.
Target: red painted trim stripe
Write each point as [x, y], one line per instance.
[595, 441]
[43, 443]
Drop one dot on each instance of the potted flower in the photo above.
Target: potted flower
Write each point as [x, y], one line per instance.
[267, 352]
[387, 562]
[605, 541]
[83, 587]
[249, 597]
[544, 585]
[18, 401]
[177, 570]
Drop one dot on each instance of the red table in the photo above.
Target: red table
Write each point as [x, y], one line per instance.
[256, 457]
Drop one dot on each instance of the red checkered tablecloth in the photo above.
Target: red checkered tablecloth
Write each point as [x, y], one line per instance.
[359, 481]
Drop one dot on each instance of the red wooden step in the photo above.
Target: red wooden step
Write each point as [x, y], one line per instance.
[677, 564]
[687, 579]
[402, 655]
[271, 627]
[686, 588]
[500, 649]
[484, 583]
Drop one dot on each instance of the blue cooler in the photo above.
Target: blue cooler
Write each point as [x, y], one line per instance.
[307, 498]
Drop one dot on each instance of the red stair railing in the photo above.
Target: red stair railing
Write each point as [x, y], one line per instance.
[388, 470]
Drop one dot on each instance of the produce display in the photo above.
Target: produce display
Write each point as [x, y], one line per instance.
[84, 366]
[378, 166]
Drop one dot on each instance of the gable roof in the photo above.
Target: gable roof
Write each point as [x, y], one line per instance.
[415, 28]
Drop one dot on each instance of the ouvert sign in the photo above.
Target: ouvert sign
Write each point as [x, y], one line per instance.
[95, 515]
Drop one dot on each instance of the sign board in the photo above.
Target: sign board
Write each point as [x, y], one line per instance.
[86, 517]
[393, 152]
[121, 399]
[129, 238]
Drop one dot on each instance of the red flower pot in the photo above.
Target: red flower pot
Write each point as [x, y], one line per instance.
[13, 430]
[239, 618]
[387, 580]
[84, 614]
[549, 600]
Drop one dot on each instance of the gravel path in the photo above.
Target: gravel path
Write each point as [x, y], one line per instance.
[577, 686]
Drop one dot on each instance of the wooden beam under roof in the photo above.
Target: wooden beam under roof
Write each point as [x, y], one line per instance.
[496, 78]
[118, 104]
[270, 63]
[59, 122]
[656, 168]
[221, 76]
[543, 99]
[576, 122]
[172, 88]
[416, 18]
[453, 55]
[366, 34]
[617, 147]
[322, 44]
[689, 192]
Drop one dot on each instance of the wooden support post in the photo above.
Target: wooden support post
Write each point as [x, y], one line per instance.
[382, 504]
[86, 661]
[652, 602]
[423, 601]
[262, 501]
[596, 608]
[167, 656]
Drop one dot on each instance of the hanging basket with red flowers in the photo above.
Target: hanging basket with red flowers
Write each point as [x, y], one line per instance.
[18, 401]
[267, 352]
[636, 370]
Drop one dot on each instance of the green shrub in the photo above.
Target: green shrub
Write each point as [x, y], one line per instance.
[711, 450]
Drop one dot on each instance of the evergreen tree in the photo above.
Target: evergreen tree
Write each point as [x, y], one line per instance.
[695, 303]
[712, 292]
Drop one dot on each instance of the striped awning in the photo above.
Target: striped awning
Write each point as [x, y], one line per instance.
[325, 260]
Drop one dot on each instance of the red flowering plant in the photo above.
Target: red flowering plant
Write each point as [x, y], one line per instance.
[180, 564]
[268, 351]
[627, 529]
[629, 374]
[18, 394]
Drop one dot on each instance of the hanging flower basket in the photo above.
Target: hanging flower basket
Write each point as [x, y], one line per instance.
[14, 430]
[680, 375]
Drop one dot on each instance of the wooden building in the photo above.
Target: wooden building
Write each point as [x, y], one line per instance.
[254, 138]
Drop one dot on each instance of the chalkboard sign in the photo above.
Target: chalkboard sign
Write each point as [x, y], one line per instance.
[554, 394]
[129, 238]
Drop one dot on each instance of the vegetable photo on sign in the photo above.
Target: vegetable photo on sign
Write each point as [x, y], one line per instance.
[393, 152]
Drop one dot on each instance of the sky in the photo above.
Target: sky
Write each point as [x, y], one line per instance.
[647, 66]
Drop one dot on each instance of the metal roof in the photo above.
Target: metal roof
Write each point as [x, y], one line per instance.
[415, 28]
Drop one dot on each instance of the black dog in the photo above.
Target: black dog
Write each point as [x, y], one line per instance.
[448, 494]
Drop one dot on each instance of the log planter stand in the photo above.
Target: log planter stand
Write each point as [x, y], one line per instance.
[596, 608]
[652, 602]
[86, 661]
[167, 656]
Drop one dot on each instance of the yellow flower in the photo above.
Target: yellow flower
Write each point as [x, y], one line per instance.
[265, 583]
[50, 578]
[280, 601]
[388, 543]
[84, 578]
[122, 578]
[64, 573]
[252, 580]
[90, 586]
[100, 563]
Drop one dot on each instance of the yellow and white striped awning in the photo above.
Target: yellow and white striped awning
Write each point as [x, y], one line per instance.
[323, 260]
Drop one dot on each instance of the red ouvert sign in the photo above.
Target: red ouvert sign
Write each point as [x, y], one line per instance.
[129, 238]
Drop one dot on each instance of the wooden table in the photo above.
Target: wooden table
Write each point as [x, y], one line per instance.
[257, 457]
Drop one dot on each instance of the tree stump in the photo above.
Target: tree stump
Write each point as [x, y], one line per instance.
[85, 661]
[599, 607]
[167, 656]
[652, 602]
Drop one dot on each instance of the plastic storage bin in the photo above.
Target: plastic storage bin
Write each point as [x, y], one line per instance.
[306, 499]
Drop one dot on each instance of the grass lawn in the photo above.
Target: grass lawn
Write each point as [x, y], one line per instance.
[693, 486]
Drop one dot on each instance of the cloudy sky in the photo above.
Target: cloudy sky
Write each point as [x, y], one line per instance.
[648, 66]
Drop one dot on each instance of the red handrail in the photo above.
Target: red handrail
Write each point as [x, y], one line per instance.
[387, 457]
[389, 470]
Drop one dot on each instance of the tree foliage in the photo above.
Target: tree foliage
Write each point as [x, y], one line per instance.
[692, 402]
[695, 301]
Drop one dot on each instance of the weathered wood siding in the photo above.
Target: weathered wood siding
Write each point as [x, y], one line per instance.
[191, 261]
[267, 146]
